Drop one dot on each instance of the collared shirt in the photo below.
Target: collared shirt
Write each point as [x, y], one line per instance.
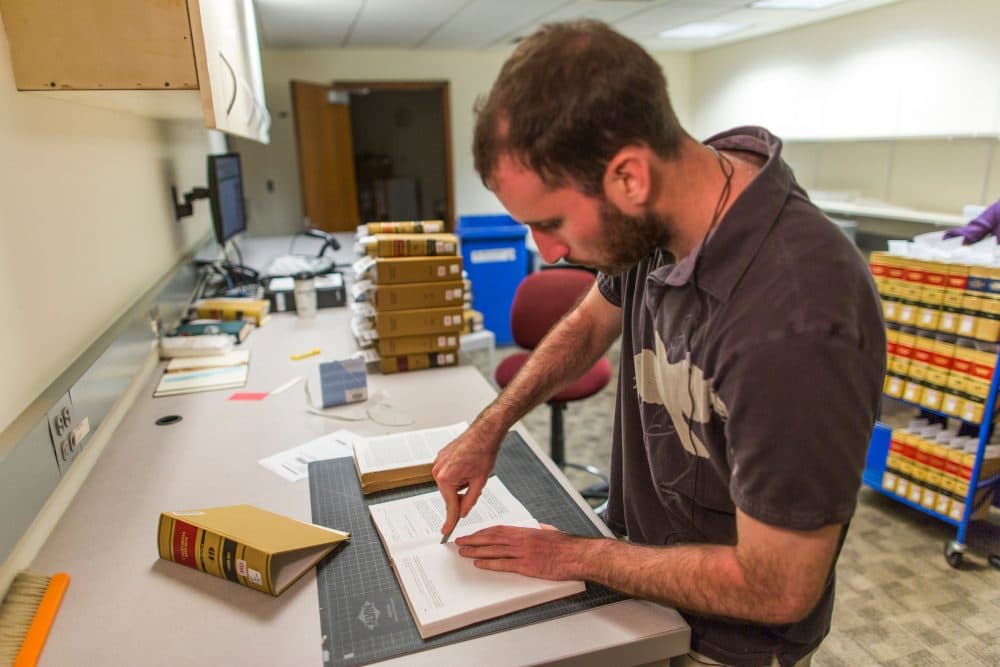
[750, 377]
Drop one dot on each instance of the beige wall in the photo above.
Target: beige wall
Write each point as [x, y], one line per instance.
[86, 225]
[900, 103]
[470, 74]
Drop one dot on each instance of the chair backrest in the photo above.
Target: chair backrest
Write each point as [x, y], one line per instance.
[542, 298]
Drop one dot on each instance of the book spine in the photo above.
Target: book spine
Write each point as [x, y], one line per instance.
[209, 552]
[412, 247]
[406, 227]
[417, 362]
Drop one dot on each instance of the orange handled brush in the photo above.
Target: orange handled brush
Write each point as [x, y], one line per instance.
[27, 614]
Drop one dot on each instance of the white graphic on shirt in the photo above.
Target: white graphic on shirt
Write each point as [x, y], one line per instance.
[673, 385]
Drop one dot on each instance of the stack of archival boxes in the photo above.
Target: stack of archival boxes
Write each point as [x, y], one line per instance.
[408, 295]
[943, 326]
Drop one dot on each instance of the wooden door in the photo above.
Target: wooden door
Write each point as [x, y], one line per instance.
[326, 156]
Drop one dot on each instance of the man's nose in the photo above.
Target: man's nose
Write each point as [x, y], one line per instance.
[549, 248]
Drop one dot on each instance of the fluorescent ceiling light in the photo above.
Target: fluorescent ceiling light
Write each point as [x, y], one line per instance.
[703, 30]
[794, 4]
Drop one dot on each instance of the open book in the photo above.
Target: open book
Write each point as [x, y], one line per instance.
[443, 590]
[401, 459]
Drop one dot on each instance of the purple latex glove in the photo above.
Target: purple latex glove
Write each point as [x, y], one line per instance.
[987, 222]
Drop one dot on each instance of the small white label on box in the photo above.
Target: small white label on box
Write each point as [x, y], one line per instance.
[241, 567]
[493, 255]
[254, 576]
[454, 268]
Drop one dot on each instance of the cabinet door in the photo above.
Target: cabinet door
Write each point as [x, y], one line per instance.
[227, 55]
[100, 44]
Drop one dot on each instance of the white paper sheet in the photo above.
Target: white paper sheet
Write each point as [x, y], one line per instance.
[293, 464]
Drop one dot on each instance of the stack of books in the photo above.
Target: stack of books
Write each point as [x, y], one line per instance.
[408, 298]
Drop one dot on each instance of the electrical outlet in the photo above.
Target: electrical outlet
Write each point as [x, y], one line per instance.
[66, 433]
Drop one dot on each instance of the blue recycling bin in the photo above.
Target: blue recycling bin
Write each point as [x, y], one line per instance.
[496, 260]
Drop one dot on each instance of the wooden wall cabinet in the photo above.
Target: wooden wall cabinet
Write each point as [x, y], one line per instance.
[121, 45]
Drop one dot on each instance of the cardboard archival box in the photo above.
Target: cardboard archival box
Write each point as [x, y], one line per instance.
[418, 321]
[416, 295]
[245, 544]
[413, 270]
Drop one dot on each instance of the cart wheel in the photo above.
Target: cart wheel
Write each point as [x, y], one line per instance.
[953, 552]
[994, 560]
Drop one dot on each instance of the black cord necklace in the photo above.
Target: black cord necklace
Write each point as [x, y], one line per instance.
[728, 169]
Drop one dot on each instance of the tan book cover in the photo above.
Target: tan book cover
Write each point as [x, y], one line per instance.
[393, 271]
[401, 459]
[394, 347]
[417, 321]
[245, 544]
[417, 295]
[443, 590]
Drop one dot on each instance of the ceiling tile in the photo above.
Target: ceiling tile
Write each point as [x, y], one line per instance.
[484, 22]
[395, 24]
[481, 24]
[305, 23]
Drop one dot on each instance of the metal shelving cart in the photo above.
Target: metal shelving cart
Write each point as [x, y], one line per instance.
[954, 550]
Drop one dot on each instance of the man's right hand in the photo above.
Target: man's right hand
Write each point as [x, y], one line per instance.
[464, 463]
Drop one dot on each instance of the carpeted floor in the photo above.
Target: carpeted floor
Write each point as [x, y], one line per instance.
[898, 602]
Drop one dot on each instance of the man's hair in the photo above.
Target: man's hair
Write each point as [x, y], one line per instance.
[568, 99]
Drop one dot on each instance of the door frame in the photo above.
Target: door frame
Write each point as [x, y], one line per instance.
[444, 96]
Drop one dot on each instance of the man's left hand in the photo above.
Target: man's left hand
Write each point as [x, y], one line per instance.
[543, 553]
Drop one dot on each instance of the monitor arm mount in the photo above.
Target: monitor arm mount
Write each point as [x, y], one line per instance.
[187, 208]
[328, 239]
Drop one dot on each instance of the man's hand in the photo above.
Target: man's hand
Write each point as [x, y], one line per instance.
[464, 463]
[544, 553]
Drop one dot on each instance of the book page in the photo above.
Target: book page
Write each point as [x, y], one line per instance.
[400, 450]
[444, 590]
[418, 519]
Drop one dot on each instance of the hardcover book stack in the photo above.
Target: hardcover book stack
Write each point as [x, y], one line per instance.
[408, 295]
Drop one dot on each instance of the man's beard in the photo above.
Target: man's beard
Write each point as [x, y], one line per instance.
[629, 239]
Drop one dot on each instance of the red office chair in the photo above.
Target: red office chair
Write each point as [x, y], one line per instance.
[539, 303]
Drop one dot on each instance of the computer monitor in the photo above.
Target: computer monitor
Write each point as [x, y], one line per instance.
[225, 186]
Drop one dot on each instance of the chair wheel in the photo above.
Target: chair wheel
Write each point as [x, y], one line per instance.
[953, 553]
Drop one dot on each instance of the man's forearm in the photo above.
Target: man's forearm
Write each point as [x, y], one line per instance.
[705, 579]
[570, 348]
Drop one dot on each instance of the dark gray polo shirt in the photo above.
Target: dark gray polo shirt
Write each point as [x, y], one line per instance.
[753, 384]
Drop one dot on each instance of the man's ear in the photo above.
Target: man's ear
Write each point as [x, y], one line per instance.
[627, 179]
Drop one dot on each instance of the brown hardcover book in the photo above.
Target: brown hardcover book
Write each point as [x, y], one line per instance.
[256, 310]
[245, 544]
[396, 270]
[394, 347]
[401, 459]
[410, 245]
[417, 321]
[404, 227]
[417, 362]
[416, 295]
